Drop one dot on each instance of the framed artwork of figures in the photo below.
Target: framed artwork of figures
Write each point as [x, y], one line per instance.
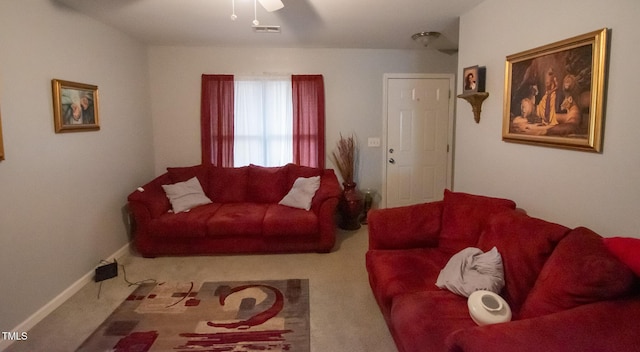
[554, 94]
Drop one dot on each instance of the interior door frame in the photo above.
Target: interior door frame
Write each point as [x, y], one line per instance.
[385, 120]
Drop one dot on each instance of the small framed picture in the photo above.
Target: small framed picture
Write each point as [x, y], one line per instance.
[75, 106]
[473, 79]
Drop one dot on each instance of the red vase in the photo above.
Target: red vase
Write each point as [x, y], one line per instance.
[351, 207]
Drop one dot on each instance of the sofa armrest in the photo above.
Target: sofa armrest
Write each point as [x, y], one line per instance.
[151, 202]
[329, 188]
[324, 205]
[413, 226]
[603, 326]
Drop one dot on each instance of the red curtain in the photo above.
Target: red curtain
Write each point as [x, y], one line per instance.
[217, 120]
[217, 106]
[308, 120]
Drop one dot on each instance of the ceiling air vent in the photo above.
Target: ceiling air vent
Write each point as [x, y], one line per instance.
[266, 29]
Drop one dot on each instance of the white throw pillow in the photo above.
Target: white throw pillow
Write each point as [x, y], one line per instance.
[302, 192]
[186, 195]
[470, 270]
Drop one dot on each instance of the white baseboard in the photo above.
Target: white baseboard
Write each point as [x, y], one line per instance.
[36, 317]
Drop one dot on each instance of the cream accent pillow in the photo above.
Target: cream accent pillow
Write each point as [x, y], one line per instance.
[302, 192]
[185, 195]
[470, 270]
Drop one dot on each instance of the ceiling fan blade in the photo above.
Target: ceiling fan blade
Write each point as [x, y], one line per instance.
[271, 5]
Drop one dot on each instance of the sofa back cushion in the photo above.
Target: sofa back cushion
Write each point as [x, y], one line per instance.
[182, 174]
[228, 185]
[580, 270]
[253, 183]
[525, 243]
[464, 216]
[267, 184]
[294, 171]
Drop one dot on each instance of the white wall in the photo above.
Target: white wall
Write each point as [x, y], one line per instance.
[61, 195]
[353, 87]
[600, 191]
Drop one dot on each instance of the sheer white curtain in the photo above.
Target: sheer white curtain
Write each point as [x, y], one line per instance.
[263, 121]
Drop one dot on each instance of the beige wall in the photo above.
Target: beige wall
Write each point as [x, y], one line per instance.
[61, 195]
[353, 85]
[600, 191]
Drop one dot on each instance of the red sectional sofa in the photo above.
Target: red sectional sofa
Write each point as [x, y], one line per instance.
[244, 216]
[566, 289]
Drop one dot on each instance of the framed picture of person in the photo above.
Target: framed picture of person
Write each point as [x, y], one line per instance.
[473, 79]
[75, 106]
[554, 94]
[470, 80]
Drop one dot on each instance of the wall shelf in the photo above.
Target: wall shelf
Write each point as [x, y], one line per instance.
[476, 100]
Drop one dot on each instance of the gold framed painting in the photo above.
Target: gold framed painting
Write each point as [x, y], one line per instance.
[75, 106]
[554, 94]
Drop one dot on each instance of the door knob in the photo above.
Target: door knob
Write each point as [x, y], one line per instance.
[392, 161]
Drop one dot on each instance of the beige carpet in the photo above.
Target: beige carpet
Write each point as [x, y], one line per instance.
[343, 313]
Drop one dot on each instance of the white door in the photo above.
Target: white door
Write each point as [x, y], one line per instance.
[418, 129]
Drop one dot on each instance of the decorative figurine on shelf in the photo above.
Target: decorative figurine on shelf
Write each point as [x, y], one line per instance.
[351, 204]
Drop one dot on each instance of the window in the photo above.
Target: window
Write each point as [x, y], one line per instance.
[223, 121]
[263, 121]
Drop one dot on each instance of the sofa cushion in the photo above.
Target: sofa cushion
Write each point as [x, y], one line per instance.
[394, 272]
[181, 174]
[237, 219]
[410, 226]
[228, 184]
[423, 320]
[580, 270]
[463, 217]
[301, 193]
[471, 270]
[267, 184]
[609, 326]
[525, 243]
[186, 195]
[626, 250]
[281, 220]
[189, 224]
[294, 171]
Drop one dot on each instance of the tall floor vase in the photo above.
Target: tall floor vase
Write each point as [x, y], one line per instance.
[351, 207]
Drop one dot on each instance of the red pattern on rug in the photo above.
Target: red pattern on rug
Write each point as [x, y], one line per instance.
[209, 317]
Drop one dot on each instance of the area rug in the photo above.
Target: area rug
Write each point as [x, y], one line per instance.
[208, 316]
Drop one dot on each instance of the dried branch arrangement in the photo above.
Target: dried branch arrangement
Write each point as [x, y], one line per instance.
[345, 158]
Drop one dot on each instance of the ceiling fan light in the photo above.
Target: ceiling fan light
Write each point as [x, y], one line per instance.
[271, 5]
[425, 38]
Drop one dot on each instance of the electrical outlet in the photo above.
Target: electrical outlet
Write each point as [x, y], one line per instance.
[373, 142]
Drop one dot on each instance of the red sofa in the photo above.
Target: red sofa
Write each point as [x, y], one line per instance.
[566, 289]
[244, 216]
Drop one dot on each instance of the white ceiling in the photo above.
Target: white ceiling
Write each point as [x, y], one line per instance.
[304, 23]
